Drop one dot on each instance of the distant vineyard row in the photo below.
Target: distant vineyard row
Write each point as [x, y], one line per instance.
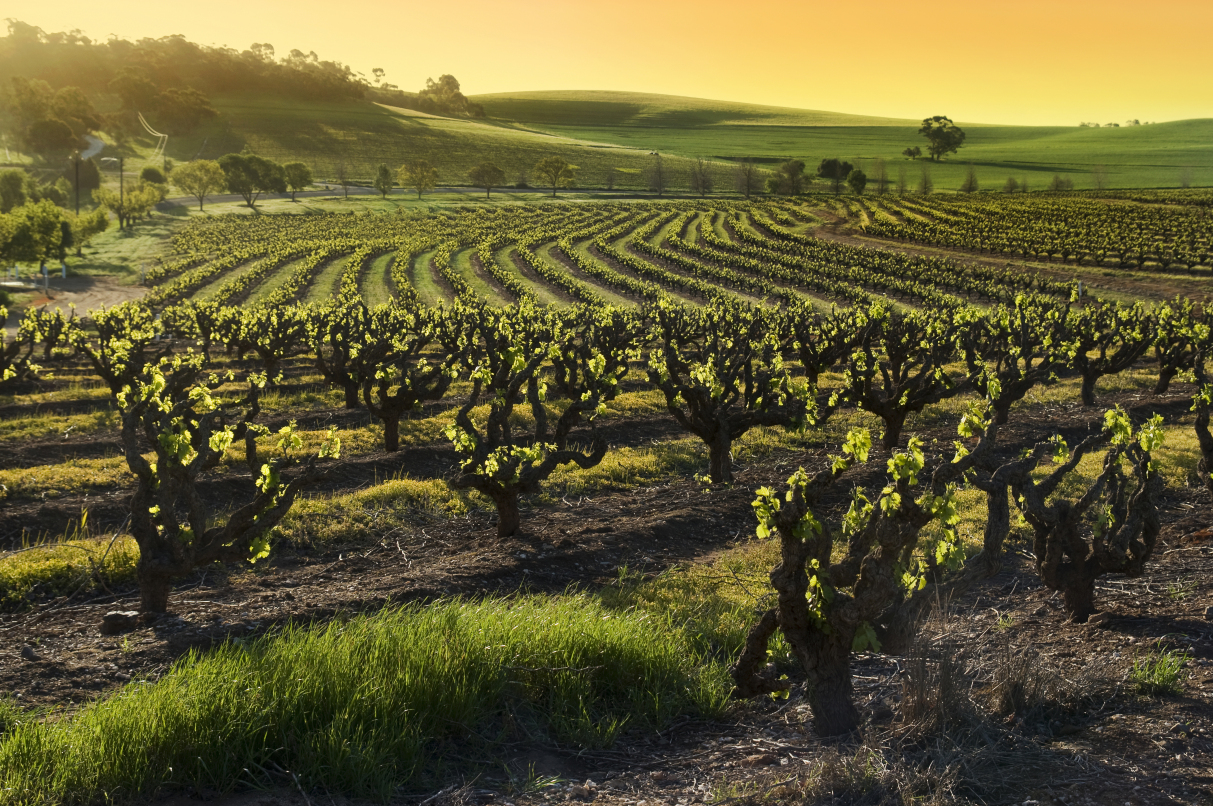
[1175, 231]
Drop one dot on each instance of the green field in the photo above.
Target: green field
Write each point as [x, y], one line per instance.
[1144, 156]
[609, 132]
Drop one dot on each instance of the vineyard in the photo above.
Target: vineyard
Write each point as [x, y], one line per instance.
[414, 417]
[1164, 231]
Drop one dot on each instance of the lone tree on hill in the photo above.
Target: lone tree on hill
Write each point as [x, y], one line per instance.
[200, 178]
[488, 176]
[419, 175]
[914, 152]
[556, 172]
[298, 176]
[383, 180]
[943, 136]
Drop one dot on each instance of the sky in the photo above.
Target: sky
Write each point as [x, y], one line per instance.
[1027, 62]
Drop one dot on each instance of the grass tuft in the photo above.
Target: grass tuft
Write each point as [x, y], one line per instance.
[368, 705]
[1157, 674]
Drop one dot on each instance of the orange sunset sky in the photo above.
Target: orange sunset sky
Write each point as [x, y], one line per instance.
[996, 61]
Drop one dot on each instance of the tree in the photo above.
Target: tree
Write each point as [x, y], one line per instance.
[14, 189]
[200, 178]
[721, 371]
[1099, 177]
[555, 172]
[1119, 514]
[1011, 186]
[882, 177]
[925, 185]
[180, 109]
[789, 179]
[130, 205]
[969, 185]
[746, 178]
[343, 174]
[90, 175]
[914, 152]
[488, 176]
[656, 175]
[172, 410]
[701, 177]
[418, 175]
[298, 177]
[251, 175]
[1061, 184]
[832, 586]
[504, 460]
[384, 182]
[444, 96]
[88, 225]
[836, 171]
[49, 136]
[857, 180]
[151, 173]
[39, 232]
[943, 136]
[902, 182]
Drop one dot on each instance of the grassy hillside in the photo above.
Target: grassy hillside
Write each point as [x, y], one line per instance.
[365, 134]
[641, 109]
[604, 132]
[1144, 156]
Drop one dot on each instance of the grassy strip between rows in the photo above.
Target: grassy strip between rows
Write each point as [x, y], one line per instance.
[454, 676]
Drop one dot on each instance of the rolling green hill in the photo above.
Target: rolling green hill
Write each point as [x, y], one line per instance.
[1141, 156]
[614, 132]
[367, 134]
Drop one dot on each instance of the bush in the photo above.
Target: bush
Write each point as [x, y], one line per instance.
[154, 175]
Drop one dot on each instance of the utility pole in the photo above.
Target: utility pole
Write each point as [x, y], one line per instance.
[121, 193]
[76, 159]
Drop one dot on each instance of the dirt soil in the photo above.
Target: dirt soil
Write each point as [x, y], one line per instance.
[1114, 747]
[86, 293]
[1124, 748]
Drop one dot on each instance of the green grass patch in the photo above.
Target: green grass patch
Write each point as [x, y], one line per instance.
[713, 602]
[395, 505]
[1158, 673]
[61, 568]
[368, 706]
[324, 286]
[375, 281]
[65, 478]
[48, 426]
